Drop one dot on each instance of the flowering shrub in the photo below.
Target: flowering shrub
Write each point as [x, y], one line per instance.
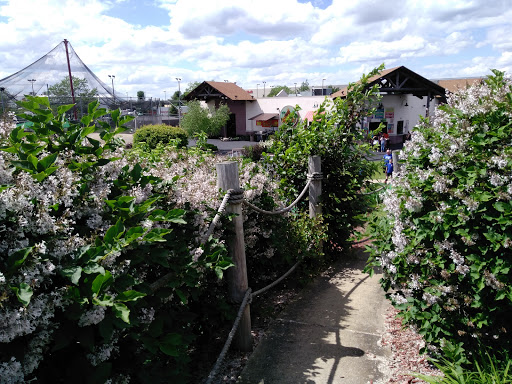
[100, 261]
[444, 241]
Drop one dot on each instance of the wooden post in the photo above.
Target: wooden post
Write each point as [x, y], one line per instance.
[396, 166]
[315, 187]
[227, 178]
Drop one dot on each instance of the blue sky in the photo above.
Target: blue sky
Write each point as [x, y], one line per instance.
[148, 43]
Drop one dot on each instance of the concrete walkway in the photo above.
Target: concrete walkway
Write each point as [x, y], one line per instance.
[331, 334]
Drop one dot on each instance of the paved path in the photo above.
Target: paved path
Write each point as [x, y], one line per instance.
[331, 334]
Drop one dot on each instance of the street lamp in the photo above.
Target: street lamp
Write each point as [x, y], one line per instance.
[165, 95]
[264, 88]
[112, 77]
[32, 82]
[257, 89]
[323, 93]
[178, 79]
[295, 89]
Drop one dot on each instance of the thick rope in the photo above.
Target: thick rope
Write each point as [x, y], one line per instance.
[283, 210]
[216, 219]
[162, 282]
[262, 290]
[369, 193]
[245, 301]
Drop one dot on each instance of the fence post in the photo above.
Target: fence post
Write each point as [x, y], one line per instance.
[227, 178]
[396, 166]
[315, 187]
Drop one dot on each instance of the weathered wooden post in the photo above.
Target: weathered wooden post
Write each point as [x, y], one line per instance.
[227, 178]
[396, 166]
[315, 187]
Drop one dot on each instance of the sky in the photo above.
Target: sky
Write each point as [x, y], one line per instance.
[147, 44]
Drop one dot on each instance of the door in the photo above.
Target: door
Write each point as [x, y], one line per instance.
[231, 126]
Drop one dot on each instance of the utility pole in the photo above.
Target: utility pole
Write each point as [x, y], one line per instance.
[112, 77]
[32, 82]
[178, 79]
[264, 88]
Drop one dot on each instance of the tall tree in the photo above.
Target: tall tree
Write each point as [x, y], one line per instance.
[204, 120]
[190, 87]
[60, 93]
[140, 95]
[276, 89]
[304, 86]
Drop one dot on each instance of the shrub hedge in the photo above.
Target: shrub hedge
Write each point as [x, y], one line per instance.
[153, 135]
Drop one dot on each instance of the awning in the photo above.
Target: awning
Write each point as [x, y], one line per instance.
[309, 115]
[265, 116]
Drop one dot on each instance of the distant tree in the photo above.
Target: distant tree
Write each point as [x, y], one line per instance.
[173, 110]
[140, 95]
[80, 88]
[276, 89]
[60, 93]
[304, 86]
[199, 120]
[334, 88]
[190, 88]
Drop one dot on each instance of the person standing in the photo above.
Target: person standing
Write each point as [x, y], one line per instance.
[387, 157]
[389, 170]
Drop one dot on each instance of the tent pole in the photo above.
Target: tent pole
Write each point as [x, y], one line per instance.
[70, 77]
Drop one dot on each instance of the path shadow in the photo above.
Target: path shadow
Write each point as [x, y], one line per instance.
[330, 334]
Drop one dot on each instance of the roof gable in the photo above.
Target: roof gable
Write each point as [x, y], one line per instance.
[208, 90]
[400, 80]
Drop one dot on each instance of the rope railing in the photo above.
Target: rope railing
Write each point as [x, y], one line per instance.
[313, 176]
[216, 219]
[247, 299]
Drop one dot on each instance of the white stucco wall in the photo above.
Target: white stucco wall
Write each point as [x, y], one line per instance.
[275, 104]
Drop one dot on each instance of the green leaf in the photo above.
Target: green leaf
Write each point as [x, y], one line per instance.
[502, 206]
[18, 258]
[104, 301]
[130, 295]
[47, 161]
[133, 234]
[122, 312]
[156, 234]
[24, 293]
[73, 273]
[114, 233]
[182, 296]
[170, 343]
[101, 282]
[91, 268]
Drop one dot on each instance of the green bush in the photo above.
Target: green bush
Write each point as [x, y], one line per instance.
[153, 135]
[445, 239]
[253, 152]
[334, 137]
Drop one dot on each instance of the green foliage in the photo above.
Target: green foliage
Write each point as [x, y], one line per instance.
[126, 294]
[444, 238]
[304, 86]
[485, 369]
[191, 87]
[253, 152]
[152, 135]
[80, 88]
[199, 119]
[333, 135]
[140, 95]
[278, 88]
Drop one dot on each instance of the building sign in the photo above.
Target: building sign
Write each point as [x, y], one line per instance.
[267, 123]
[390, 127]
[379, 113]
[285, 113]
[390, 113]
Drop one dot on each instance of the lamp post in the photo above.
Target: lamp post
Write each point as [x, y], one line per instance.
[165, 96]
[323, 93]
[32, 82]
[178, 79]
[112, 77]
[264, 82]
[295, 89]
[257, 89]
